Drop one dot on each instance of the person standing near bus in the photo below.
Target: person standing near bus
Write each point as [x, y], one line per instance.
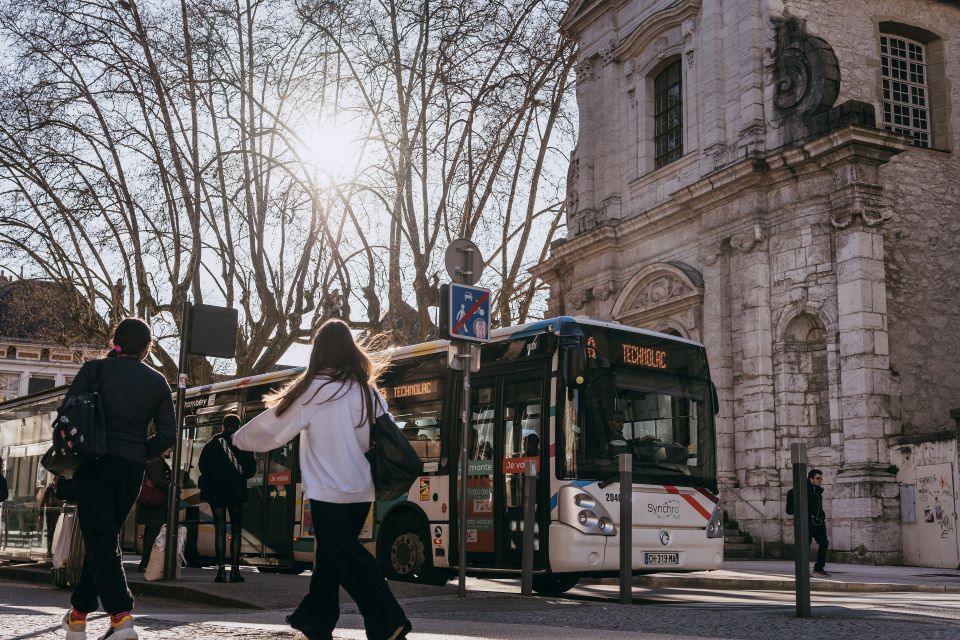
[224, 470]
[49, 509]
[150, 516]
[331, 406]
[131, 395]
[818, 520]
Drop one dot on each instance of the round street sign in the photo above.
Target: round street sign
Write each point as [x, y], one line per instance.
[463, 261]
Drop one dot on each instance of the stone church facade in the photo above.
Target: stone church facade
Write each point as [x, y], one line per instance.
[779, 180]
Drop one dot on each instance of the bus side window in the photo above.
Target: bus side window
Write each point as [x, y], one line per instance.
[422, 426]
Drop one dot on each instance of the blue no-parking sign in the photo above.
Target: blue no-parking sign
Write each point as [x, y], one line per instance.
[469, 313]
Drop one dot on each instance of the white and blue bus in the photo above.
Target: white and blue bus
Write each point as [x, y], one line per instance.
[569, 393]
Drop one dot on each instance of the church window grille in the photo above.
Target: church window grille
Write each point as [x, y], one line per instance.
[668, 115]
[906, 107]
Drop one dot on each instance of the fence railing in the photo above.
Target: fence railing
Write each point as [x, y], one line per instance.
[728, 490]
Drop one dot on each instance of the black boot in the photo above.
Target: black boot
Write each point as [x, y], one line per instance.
[221, 574]
[235, 574]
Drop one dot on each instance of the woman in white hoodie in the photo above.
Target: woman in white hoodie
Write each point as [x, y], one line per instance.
[331, 405]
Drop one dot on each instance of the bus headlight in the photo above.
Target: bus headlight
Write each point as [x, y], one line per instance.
[582, 511]
[715, 526]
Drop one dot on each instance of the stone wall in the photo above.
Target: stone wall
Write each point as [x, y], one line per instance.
[827, 253]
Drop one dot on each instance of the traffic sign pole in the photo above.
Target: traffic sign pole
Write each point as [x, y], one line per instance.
[464, 444]
[464, 264]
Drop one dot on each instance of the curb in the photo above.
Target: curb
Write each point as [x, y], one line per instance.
[781, 584]
[40, 574]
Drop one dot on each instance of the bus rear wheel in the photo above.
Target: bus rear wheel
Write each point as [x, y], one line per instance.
[404, 553]
[553, 584]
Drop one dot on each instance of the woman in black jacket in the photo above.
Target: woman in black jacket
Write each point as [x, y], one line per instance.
[224, 470]
[131, 396]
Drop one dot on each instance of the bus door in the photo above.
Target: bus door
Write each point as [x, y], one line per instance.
[505, 432]
[522, 436]
[269, 512]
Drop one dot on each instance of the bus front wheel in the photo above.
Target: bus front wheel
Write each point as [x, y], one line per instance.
[553, 584]
[404, 552]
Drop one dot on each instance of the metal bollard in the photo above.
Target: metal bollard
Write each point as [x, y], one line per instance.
[801, 529]
[529, 518]
[626, 528]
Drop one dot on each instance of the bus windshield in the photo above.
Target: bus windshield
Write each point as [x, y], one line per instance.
[659, 415]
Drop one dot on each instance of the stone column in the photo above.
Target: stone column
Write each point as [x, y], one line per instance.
[716, 338]
[753, 375]
[865, 494]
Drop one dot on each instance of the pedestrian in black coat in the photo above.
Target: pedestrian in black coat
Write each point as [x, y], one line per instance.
[224, 470]
[131, 395]
[818, 519]
[152, 518]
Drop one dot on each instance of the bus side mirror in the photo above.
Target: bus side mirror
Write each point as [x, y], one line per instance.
[714, 399]
[576, 373]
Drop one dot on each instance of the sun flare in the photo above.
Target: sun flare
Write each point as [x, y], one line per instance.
[332, 146]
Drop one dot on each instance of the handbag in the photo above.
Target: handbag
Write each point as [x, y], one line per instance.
[150, 494]
[79, 432]
[394, 464]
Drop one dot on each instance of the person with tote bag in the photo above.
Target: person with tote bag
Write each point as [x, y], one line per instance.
[152, 503]
[224, 471]
[331, 406]
[130, 395]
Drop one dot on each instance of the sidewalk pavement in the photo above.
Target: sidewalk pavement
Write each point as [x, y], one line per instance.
[778, 575]
[272, 591]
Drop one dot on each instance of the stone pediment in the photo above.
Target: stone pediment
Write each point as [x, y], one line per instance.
[659, 289]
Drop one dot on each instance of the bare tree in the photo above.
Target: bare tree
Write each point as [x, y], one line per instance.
[152, 151]
[161, 145]
[465, 101]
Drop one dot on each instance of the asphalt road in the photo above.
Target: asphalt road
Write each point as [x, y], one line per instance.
[493, 609]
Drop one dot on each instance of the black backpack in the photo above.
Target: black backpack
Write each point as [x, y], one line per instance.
[393, 462]
[790, 502]
[79, 432]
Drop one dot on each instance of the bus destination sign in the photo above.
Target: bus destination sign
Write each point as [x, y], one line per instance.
[644, 356]
[422, 390]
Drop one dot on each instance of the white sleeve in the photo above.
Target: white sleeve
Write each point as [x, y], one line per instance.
[268, 431]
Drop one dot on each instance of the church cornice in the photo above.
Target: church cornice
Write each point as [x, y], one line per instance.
[855, 198]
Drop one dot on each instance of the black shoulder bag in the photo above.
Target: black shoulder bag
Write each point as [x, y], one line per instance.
[393, 462]
[79, 432]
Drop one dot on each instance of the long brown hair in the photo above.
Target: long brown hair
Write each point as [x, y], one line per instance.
[340, 358]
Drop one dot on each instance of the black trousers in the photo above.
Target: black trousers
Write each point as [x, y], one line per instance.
[106, 491]
[342, 561]
[819, 533]
[220, 533]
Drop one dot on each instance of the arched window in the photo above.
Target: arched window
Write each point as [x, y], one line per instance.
[11, 352]
[915, 96]
[906, 94]
[668, 114]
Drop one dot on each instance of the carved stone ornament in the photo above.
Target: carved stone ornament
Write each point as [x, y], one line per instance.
[603, 292]
[868, 209]
[709, 254]
[584, 69]
[747, 240]
[659, 290]
[806, 72]
[660, 46]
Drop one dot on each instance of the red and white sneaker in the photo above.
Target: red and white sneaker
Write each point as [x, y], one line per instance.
[76, 629]
[121, 629]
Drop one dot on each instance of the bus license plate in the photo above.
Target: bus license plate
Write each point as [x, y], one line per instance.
[661, 558]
